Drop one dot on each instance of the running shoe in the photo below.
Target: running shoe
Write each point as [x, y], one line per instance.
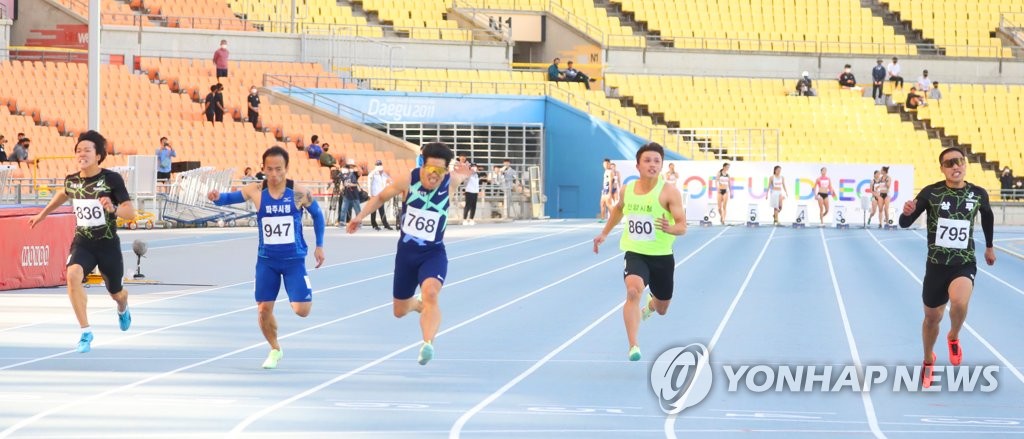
[124, 320]
[634, 353]
[85, 343]
[645, 311]
[426, 353]
[955, 353]
[272, 358]
[926, 373]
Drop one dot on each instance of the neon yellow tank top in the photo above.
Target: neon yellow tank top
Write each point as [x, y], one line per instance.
[639, 214]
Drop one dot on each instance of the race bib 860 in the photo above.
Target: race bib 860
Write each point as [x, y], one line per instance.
[640, 227]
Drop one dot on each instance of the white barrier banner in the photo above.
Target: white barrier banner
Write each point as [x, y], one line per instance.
[750, 181]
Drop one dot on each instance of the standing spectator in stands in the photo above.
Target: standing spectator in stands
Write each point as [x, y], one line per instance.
[3, 152]
[220, 60]
[326, 159]
[163, 159]
[218, 110]
[378, 181]
[846, 79]
[573, 75]
[553, 73]
[804, 85]
[1006, 183]
[936, 94]
[254, 107]
[313, 149]
[508, 175]
[877, 80]
[923, 83]
[913, 99]
[349, 193]
[20, 153]
[211, 104]
[895, 71]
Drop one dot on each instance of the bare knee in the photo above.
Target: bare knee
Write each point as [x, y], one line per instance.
[75, 274]
[302, 310]
[932, 319]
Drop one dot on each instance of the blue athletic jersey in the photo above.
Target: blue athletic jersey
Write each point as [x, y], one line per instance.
[280, 224]
[425, 214]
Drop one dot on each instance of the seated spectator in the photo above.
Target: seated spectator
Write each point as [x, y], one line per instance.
[3, 152]
[248, 177]
[914, 100]
[804, 86]
[326, 159]
[553, 73]
[923, 83]
[20, 153]
[846, 79]
[935, 93]
[313, 149]
[1006, 183]
[573, 75]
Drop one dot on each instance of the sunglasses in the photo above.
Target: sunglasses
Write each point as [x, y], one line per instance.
[436, 170]
[949, 163]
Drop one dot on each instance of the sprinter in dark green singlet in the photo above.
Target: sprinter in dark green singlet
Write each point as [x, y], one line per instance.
[655, 215]
[949, 274]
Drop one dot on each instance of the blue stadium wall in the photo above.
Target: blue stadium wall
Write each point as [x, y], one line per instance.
[575, 143]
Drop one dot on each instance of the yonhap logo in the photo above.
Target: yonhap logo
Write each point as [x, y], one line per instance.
[35, 255]
[681, 377]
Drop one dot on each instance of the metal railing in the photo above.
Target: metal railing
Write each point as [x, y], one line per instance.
[760, 142]
[285, 84]
[826, 47]
[1012, 24]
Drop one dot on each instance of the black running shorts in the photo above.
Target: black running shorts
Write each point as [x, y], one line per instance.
[937, 278]
[657, 272]
[105, 253]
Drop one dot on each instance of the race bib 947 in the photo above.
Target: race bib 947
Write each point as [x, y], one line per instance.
[278, 230]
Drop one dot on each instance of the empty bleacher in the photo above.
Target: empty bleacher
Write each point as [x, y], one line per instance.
[962, 27]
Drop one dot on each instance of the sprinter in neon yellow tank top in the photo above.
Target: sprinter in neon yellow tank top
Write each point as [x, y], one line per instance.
[655, 215]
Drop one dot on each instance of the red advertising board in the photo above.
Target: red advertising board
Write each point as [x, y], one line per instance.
[35, 257]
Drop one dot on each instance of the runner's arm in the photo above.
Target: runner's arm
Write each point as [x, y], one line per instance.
[400, 185]
[920, 205]
[988, 220]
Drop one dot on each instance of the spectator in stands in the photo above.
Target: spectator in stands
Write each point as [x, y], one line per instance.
[20, 136]
[846, 79]
[804, 85]
[260, 176]
[923, 83]
[894, 71]
[220, 60]
[20, 153]
[254, 107]
[553, 73]
[877, 80]
[210, 101]
[218, 110]
[3, 152]
[313, 149]
[472, 195]
[573, 75]
[247, 177]
[378, 181]
[914, 100]
[1006, 183]
[163, 159]
[1018, 190]
[508, 175]
[936, 94]
[326, 159]
[349, 193]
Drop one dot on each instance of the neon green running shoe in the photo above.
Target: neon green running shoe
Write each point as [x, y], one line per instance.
[426, 353]
[634, 353]
[272, 358]
[645, 311]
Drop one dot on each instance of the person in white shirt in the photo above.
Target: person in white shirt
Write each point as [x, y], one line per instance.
[924, 84]
[472, 194]
[378, 181]
[895, 71]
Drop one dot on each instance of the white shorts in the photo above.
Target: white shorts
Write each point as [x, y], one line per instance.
[775, 199]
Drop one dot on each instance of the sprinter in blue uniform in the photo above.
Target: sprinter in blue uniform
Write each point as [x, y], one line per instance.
[282, 251]
[421, 259]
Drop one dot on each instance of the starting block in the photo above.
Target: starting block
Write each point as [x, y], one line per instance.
[891, 225]
[752, 215]
[801, 217]
[712, 212]
[840, 218]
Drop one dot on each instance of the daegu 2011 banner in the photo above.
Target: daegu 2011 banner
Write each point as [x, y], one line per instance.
[851, 184]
